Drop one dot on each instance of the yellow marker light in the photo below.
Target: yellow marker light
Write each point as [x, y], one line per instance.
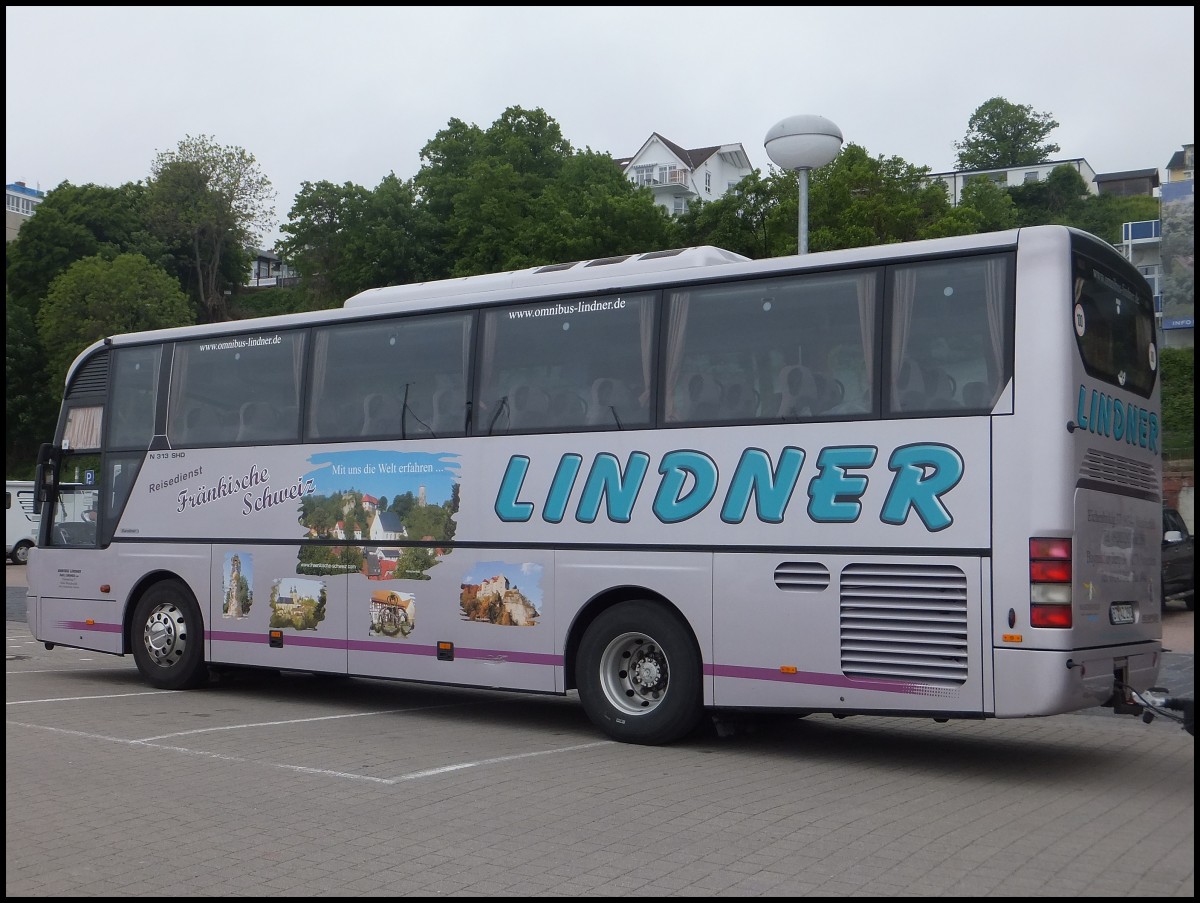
[1012, 638]
[787, 669]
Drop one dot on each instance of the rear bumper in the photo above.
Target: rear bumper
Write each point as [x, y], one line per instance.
[1032, 682]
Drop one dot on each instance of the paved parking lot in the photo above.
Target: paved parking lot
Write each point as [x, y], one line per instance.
[282, 785]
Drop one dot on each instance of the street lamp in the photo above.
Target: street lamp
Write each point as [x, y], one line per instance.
[802, 143]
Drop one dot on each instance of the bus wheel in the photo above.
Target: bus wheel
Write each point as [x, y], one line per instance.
[639, 674]
[20, 553]
[168, 638]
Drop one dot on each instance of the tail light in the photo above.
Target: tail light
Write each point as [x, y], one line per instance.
[1050, 582]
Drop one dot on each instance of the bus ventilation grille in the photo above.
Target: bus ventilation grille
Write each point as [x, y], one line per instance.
[802, 576]
[1116, 470]
[904, 622]
[91, 379]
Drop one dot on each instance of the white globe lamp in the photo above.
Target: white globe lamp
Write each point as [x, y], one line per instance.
[802, 143]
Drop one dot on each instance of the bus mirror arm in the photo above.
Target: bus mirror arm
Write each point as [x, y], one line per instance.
[45, 474]
[1072, 426]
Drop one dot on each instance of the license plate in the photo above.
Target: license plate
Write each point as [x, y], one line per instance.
[1120, 613]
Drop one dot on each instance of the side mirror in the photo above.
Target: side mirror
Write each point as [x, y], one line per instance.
[1172, 536]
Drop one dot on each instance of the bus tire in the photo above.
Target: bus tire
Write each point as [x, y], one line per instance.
[639, 674]
[20, 552]
[168, 638]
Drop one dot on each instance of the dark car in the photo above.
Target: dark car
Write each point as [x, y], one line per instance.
[1178, 559]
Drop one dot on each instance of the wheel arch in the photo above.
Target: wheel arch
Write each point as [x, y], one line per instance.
[144, 585]
[602, 602]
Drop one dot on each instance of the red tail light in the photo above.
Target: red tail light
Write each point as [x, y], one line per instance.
[1050, 582]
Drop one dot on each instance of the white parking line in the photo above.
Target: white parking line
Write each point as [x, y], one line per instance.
[303, 769]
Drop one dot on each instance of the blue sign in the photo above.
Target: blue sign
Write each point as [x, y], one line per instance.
[89, 478]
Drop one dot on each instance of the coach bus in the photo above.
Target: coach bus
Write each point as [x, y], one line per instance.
[920, 479]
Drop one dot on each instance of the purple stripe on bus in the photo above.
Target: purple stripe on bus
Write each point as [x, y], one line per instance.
[93, 626]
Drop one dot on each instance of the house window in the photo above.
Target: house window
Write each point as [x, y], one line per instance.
[644, 175]
[679, 206]
[666, 174]
[708, 182]
[1031, 177]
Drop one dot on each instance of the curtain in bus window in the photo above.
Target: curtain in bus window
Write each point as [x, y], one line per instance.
[997, 297]
[904, 293]
[948, 335]
[82, 430]
[867, 293]
[676, 335]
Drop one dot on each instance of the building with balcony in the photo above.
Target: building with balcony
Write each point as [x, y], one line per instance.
[677, 176]
[268, 270]
[1164, 250]
[19, 203]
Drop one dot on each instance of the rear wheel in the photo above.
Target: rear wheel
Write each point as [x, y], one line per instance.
[168, 638]
[639, 674]
[20, 552]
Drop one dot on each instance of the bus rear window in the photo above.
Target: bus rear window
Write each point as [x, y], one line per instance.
[1114, 327]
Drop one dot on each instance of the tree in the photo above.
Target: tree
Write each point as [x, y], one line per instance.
[1061, 198]
[212, 203]
[859, 200]
[480, 188]
[1103, 215]
[1001, 134]
[28, 410]
[1178, 374]
[95, 298]
[589, 209]
[747, 220]
[993, 207]
[74, 222]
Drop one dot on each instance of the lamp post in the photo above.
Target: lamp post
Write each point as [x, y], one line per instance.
[802, 143]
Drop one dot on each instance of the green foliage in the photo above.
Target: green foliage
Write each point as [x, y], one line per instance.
[588, 210]
[73, 223]
[29, 410]
[1061, 198]
[859, 200]
[1177, 367]
[991, 207]
[750, 220]
[95, 298]
[1104, 215]
[1002, 134]
[345, 239]
[517, 194]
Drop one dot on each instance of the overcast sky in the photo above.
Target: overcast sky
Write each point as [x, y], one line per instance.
[350, 94]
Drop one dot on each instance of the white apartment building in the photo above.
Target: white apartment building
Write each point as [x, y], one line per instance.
[678, 176]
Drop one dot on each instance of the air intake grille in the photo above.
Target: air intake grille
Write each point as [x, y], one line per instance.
[1118, 471]
[802, 576]
[904, 622]
[92, 378]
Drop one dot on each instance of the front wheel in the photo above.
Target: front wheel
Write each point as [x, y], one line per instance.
[20, 553]
[168, 638]
[639, 674]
